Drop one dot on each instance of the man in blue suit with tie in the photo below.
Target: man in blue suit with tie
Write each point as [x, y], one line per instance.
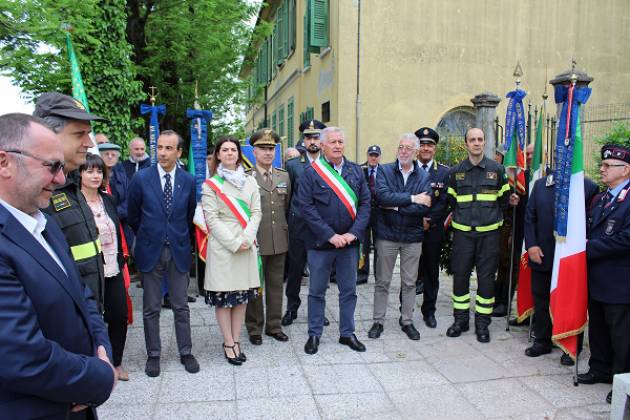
[161, 206]
[53, 342]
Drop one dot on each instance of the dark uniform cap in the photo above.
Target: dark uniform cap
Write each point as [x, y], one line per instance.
[300, 147]
[265, 137]
[427, 135]
[374, 150]
[615, 151]
[108, 146]
[312, 127]
[53, 103]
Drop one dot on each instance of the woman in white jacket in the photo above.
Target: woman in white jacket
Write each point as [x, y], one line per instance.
[231, 206]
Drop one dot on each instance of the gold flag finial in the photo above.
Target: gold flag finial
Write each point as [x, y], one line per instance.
[152, 95]
[518, 73]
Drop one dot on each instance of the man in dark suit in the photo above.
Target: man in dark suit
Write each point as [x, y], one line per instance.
[161, 206]
[334, 200]
[608, 263]
[53, 343]
[296, 257]
[370, 170]
[540, 243]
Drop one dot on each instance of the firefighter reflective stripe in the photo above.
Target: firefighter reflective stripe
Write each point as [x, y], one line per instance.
[86, 250]
[467, 198]
[452, 192]
[504, 188]
[461, 302]
[484, 305]
[486, 197]
[487, 228]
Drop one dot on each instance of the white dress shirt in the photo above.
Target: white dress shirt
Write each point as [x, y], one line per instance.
[162, 172]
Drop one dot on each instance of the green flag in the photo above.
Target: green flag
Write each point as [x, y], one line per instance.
[78, 92]
[191, 161]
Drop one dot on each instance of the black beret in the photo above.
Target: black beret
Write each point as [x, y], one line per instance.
[615, 151]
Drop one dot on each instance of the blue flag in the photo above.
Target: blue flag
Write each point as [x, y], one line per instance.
[198, 146]
[154, 127]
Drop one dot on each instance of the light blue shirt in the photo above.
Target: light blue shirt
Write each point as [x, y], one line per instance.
[615, 191]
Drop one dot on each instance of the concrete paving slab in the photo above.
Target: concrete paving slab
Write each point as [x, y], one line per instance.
[406, 375]
[301, 407]
[215, 410]
[373, 405]
[441, 402]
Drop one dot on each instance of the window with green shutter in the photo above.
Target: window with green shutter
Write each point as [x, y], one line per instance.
[284, 12]
[292, 21]
[274, 50]
[281, 121]
[302, 117]
[279, 31]
[307, 51]
[310, 113]
[318, 23]
[290, 128]
[274, 122]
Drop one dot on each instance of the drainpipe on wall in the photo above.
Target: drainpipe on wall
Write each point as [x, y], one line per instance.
[358, 99]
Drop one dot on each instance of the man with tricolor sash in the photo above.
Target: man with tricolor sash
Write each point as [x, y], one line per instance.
[334, 201]
[479, 193]
[608, 263]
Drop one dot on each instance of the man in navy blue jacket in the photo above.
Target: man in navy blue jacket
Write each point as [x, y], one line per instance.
[608, 262]
[334, 201]
[161, 206]
[402, 195]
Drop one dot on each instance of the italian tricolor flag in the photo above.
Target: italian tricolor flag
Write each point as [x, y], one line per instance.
[569, 298]
[525, 300]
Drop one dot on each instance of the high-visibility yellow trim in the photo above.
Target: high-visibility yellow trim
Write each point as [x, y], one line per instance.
[486, 197]
[464, 198]
[504, 188]
[457, 305]
[485, 301]
[482, 310]
[462, 298]
[461, 227]
[86, 250]
[452, 191]
[487, 228]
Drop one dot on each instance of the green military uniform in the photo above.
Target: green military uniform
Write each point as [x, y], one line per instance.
[478, 195]
[72, 213]
[273, 242]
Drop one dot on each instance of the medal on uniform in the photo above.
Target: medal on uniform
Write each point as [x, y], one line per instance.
[610, 226]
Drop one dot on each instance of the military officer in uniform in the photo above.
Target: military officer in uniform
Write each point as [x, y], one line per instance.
[370, 170]
[429, 266]
[272, 237]
[68, 118]
[296, 257]
[608, 256]
[478, 193]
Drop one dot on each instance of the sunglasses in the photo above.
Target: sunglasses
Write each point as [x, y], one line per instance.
[54, 166]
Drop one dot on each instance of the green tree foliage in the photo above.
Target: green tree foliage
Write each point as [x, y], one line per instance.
[618, 134]
[33, 53]
[181, 43]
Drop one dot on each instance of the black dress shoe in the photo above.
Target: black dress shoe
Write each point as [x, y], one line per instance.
[590, 378]
[288, 318]
[352, 342]
[280, 336]
[191, 299]
[241, 356]
[311, 345]
[326, 322]
[255, 339]
[190, 363]
[362, 280]
[565, 360]
[609, 398]
[411, 332]
[232, 360]
[152, 368]
[419, 287]
[375, 331]
[430, 321]
[457, 329]
[537, 350]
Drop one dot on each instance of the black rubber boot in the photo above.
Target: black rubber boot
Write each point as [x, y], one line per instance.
[461, 323]
[481, 328]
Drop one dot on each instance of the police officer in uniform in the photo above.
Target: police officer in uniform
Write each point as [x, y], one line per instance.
[370, 170]
[429, 266]
[608, 256]
[68, 207]
[296, 257]
[478, 193]
[272, 237]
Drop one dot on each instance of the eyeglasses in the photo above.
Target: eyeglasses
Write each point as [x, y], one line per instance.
[406, 148]
[54, 166]
[608, 165]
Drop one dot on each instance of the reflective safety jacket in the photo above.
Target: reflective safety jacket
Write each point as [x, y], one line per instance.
[478, 194]
[73, 215]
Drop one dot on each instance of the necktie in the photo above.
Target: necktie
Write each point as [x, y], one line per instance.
[608, 199]
[267, 177]
[424, 166]
[168, 192]
[371, 180]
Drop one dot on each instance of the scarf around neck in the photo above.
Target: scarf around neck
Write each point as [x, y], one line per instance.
[236, 177]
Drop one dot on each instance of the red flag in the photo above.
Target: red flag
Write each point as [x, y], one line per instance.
[525, 300]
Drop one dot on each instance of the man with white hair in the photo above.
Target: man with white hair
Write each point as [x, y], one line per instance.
[403, 198]
[138, 157]
[334, 201]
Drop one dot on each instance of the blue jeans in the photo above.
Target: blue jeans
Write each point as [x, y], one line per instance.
[320, 264]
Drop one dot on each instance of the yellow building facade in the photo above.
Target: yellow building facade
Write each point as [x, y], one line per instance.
[392, 66]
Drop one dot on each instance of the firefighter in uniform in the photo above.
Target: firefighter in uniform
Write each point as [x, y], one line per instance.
[429, 266]
[478, 193]
[272, 236]
[68, 206]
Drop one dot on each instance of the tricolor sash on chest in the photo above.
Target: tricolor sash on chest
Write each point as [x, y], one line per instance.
[340, 187]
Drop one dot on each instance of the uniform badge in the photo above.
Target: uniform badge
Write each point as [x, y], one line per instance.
[549, 182]
[436, 193]
[60, 201]
[610, 226]
[622, 195]
[459, 176]
[282, 187]
[491, 175]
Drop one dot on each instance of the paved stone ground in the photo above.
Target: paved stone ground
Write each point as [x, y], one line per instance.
[435, 378]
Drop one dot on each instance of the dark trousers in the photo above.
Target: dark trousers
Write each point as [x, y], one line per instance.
[320, 263]
[273, 267]
[116, 315]
[429, 267]
[201, 276]
[296, 260]
[152, 303]
[609, 337]
[481, 251]
[541, 282]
